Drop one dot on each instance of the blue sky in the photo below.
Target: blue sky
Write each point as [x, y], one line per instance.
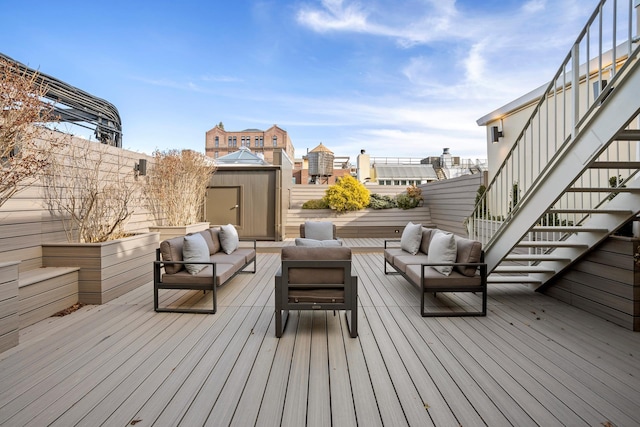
[399, 78]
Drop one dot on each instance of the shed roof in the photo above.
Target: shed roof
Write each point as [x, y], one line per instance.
[421, 172]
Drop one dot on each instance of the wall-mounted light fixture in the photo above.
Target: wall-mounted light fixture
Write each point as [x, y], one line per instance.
[140, 168]
[495, 134]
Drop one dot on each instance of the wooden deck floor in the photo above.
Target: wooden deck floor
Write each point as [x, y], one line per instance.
[531, 361]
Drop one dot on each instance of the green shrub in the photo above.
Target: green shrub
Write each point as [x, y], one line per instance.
[348, 194]
[405, 201]
[377, 201]
[315, 204]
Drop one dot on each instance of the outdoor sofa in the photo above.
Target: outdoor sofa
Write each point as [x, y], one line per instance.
[436, 261]
[200, 261]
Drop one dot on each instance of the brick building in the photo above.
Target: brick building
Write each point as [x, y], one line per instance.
[220, 142]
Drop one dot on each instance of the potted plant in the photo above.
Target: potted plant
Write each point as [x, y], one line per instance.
[175, 190]
[91, 189]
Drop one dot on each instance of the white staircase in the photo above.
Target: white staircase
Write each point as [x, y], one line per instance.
[572, 177]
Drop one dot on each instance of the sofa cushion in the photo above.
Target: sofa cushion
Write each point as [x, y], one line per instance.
[300, 241]
[411, 237]
[203, 278]
[171, 250]
[405, 260]
[391, 253]
[215, 237]
[467, 251]
[426, 239]
[248, 253]
[195, 248]
[318, 230]
[442, 250]
[229, 238]
[236, 259]
[315, 275]
[434, 280]
[209, 240]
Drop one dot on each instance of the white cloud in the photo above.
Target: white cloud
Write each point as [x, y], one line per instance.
[533, 6]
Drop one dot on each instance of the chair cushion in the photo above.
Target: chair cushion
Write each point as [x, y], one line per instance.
[300, 241]
[318, 230]
[315, 275]
[195, 248]
[467, 251]
[323, 295]
[442, 250]
[411, 237]
[171, 250]
[229, 238]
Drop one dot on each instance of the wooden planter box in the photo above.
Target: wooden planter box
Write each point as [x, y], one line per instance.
[107, 270]
[168, 232]
[380, 223]
[606, 282]
[9, 305]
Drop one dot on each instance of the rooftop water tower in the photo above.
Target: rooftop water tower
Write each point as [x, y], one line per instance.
[320, 164]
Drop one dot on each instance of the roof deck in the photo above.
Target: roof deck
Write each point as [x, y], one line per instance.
[531, 361]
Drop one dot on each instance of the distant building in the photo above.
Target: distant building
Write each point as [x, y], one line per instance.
[219, 142]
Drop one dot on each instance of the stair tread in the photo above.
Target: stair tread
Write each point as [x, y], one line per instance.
[551, 244]
[551, 228]
[29, 277]
[602, 190]
[511, 279]
[523, 269]
[615, 165]
[591, 211]
[535, 257]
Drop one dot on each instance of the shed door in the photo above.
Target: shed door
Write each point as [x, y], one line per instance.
[223, 205]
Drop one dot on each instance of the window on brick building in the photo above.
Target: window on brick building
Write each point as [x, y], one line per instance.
[216, 142]
[275, 141]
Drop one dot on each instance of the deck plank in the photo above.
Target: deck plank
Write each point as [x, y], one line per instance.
[532, 360]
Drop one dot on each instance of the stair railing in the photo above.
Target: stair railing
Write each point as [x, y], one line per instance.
[558, 116]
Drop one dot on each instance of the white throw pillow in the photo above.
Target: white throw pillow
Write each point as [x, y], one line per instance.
[195, 248]
[442, 249]
[229, 238]
[316, 243]
[411, 238]
[318, 230]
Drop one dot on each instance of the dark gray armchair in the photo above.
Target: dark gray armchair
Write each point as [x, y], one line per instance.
[316, 278]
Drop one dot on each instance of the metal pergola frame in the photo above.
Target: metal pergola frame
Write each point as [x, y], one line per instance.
[73, 105]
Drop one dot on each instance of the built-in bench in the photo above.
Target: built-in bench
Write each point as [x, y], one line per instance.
[45, 291]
